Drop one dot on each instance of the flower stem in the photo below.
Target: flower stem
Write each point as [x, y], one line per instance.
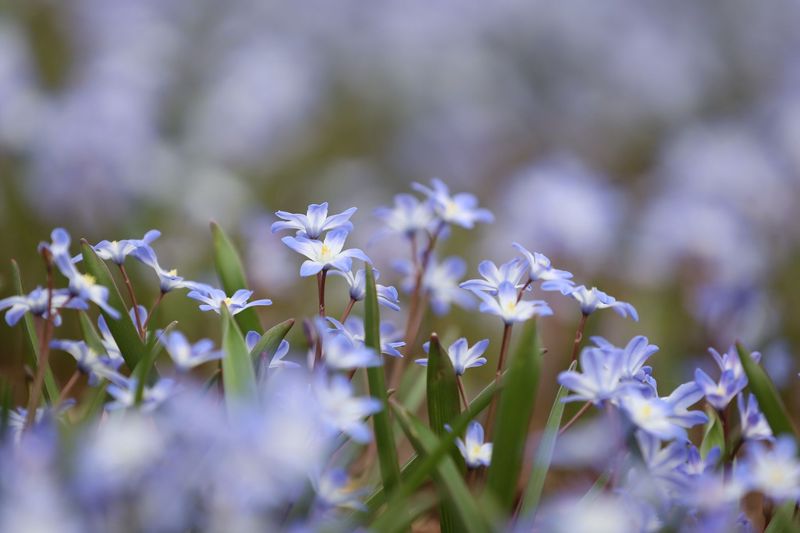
[347, 310]
[44, 346]
[462, 393]
[575, 418]
[578, 338]
[321, 275]
[498, 374]
[153, 309]
[133, 300]
[68, 387]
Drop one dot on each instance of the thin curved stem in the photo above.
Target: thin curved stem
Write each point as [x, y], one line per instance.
[462, 392]
[575, 418]
[153, 309]
[68, 387]
[133, 300]
[498, 374]
[347, 310]
[44, 347]
[321, 275]
[576, 344]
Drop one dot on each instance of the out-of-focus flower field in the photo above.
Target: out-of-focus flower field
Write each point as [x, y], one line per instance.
[650, 148]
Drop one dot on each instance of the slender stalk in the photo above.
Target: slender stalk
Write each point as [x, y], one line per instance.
[347, 310]
[575, 417]
[321, 275]
[416, 310]
[498, 374]
[462, 393]
[68, 387]
[153, 309]
[44, 346]
[523, 289]
[133, 300]
[576, 344]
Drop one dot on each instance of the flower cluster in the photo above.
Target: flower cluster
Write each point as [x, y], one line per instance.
[248, 434]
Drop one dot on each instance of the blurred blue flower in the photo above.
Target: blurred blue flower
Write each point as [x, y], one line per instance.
[460, 209]
[340, 410]
[440, 282]
[593, 299]
[325, 254]
[600, 378]
[117, 251]
[407, 216]
[186, 355]
[773, 470]
[123, 390]
[314, 222]
[213, 299]
[335, 489]
[353, 329]
[462, 355]
[96, 366]
[85, 287]
[754, 425]
[719, 395]
[666, 418]
[507, 306]
[35, 303]
[476, 452]
[282, 351]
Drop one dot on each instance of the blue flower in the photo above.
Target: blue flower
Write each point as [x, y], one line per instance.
[117, 251]
[666, 418]
[506, 305]
[667, 465]
[123, 390]
[334, 488]
[593, 299]
[314, 222]
[59, 250]
[461, 355]
[326, 254]
[732, 378]
[476, 452]
[387, 296]
[461, 209]
[168, 280]
[540, 269]
[213, 299]
[340, 410]
[185, 355]
[510, 272]
[91, 363]
[634, 355]
[252, 338]
[85, 287]
[773, 471]
[600, 379]
[440, 282]
[407, 216]
[35, 303]
[754, 425]
[353, 329]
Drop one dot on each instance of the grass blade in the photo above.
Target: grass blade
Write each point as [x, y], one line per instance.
[145, 368]
[270, 340]
[451, 483]
[51, 390]
[384, 436]
[443, 408]
[122, 329]
[766, 394]
[231, 275]
[238, 375]
[400, 519]
[514, 415]
[544, 453]
[783, 519]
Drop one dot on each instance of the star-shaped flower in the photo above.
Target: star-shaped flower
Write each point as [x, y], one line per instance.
[461, 355]
[314, 222]
[459, 209]
[476, 452]
[593, 299]
[507, 306]
[325, 254]
[213, 299]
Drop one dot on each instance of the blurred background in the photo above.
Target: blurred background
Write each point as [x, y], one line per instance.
[652, 148]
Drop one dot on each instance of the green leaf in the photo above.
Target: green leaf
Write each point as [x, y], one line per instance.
[384, 436]
[713, 434]
[122, 328]
[443, 408]
[783, 519]
[231, 275]
[450, 481]
[401, 518]
[145, 368]
[238, 376]
[90, 335]
[270, 341]
[51, 390]
[514, 415]
[769, 401]
[544, 453]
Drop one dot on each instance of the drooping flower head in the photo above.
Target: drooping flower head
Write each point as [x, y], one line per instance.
[314, 222]
[593, 299]
[460, 209]
[356, 281]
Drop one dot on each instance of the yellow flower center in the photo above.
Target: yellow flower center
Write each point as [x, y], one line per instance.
[646, 411]
[475, 450]
[450, 208]
[88, 279]
[173, 272]
[228, 301]
[325, 252]
[510, 307]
